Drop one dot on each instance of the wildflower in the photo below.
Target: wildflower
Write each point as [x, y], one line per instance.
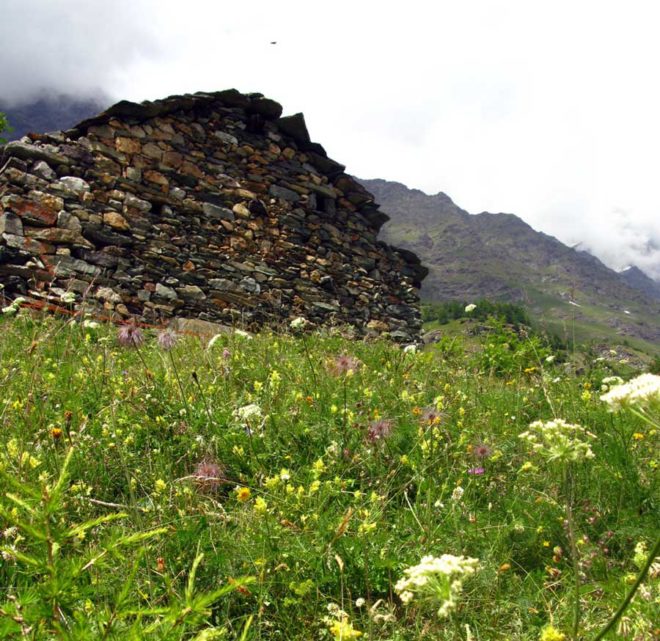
[90, 324]
[208, 475]
[56, 433]
[550, 359]
[642, 390]
[559, 440]
[130, 335]
[167, 339]
[481, 451]
[260, 505]
[344, 365]
[243, 494]
[431, 416]
[436, 579]
[379, 430]
[470, 308]
[298, 323]
[550, 633]
[410, 349]
[68, 297]
[457, 494]
[160, 486]
[248, 412]
[359, 602]
[610, 381]
[243, 334]
[342, 630]
[476, 471]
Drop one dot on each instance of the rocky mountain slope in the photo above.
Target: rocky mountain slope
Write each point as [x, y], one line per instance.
[499, 256]
[636, 278]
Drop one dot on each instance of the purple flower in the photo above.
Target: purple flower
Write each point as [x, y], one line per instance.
[379, 430]
[208, 475]
[481, 451]
[476, 471]
[167, 339]
[344, 365]
[431, 416]
[130, 335]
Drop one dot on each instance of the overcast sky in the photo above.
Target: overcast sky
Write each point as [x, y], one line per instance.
[546, 109]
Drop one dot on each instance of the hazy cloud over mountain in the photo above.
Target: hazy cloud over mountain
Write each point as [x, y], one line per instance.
[70, 46]
[546, 110]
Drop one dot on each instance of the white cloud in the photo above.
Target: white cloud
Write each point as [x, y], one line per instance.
[546, 110]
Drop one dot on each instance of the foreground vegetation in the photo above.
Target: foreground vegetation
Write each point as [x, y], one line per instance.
[307, 486]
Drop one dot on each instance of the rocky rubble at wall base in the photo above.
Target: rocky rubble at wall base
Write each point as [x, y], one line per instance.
[210, 206]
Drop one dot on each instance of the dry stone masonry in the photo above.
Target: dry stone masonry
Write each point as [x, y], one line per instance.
[210, 206]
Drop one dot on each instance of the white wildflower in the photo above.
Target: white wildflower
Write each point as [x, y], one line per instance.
[457, 494]
[437, 580]
[550, 359]
[243, 334]
[68, 297]
[90, 324]
[248, 412]
[470, 308]
[410, 349]
[298, 323]
[559, 440]
[643, 390]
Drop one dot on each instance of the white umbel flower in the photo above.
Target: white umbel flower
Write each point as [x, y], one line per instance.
[436, 579]
[248, 412]
[559, 440]
[643, 390]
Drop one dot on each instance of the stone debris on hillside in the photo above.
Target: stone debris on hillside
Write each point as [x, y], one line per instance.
[210, 206]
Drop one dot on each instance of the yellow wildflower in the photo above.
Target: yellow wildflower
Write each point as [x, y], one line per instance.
[550, 633]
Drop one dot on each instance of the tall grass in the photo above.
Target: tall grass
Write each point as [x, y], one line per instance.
[261, 489]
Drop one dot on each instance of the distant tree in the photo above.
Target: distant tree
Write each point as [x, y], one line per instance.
[4, 126]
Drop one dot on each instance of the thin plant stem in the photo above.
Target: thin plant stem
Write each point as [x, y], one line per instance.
[570, 522]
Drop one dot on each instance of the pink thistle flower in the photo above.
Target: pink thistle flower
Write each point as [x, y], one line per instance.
[130, 335]
[476, 471]
[344, 365]
[208, 475]
[431, 416]
[379, 430]
[481, 451]
[167, 339]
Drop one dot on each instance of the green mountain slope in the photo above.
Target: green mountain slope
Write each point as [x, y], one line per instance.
[500, 257]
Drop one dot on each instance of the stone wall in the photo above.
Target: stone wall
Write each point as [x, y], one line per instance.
[210, 206]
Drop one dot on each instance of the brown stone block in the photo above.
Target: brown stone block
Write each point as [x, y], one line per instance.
[172, 159]
[115, 220]
[41, 212]
[128, 145]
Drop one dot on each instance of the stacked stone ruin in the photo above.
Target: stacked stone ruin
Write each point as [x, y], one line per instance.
[208, 206]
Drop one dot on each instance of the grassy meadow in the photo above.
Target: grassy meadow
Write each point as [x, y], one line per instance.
[288, 487]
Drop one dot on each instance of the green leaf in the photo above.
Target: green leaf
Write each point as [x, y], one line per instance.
[21, 556]
[53, 502]
[88, 525]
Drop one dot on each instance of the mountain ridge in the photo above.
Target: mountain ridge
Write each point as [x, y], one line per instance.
[501, 257]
